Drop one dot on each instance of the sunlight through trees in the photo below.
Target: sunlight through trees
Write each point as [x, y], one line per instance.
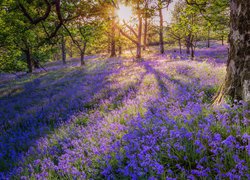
[124, 89]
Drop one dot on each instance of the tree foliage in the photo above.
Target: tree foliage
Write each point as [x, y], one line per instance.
[31, 31]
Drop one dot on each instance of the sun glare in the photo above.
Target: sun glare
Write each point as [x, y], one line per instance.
[124, 13]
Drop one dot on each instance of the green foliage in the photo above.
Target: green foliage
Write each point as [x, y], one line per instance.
[30, 26]
[200, 18]
[87, 24]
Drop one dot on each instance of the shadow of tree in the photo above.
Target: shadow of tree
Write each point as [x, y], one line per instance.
[43, 105]
[48, 102]
[139, 140]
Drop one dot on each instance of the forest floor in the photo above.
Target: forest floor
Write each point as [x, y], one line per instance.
[117, 118]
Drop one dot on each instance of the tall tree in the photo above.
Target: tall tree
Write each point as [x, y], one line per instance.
[34, 25]
[146, 16]
[136, 37]
[139, 34]
[190, 25]
[162, 4]
[237, 82]
[112, 34]
[175, 30]
[26, 38]
[161, 40]
[83, 32]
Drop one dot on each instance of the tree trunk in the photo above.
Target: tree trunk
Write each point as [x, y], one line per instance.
[188, 38]
[192, 52]
[36, 64]
[71, 49]
[29, 61]
[83, 54]
[192, 45]
[161, 28]
[145, 33]
[63, 50]
[82, 59]
[208, 38]
[120, 50]
[237, 82]
[120, 44]
[112, 45]
[145, 26]
[55, 56]
[179, 41]
[138, 51]
[109, 45]
[222, 40]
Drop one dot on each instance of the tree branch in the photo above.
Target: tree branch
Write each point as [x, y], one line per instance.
[130, 28]
[39, 19]
[72, 38]
[126, 35]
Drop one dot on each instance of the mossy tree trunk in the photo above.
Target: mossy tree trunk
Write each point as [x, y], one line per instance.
[237, 82]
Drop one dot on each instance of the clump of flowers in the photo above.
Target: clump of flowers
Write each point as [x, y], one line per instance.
[196, 143]
[125, 119]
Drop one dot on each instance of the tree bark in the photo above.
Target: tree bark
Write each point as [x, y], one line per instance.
[29, 61]
[109, 45]
[71, 49]
[139, 36]
[208, 38]
[112, 38]
[112, 46]
[192, 45]
[83, 54]
[192, 52]
[63, 50]
[188, 38]
[237, 82]
[179, 41]
[120, 44]
[145, 33]
[36, 64]
[120, 50]
[161, 28]
[145, 26]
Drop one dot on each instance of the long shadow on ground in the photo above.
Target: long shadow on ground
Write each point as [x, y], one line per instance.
[43, 105]
[46, 103]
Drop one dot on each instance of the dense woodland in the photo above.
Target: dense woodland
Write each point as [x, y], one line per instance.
[122, 89]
